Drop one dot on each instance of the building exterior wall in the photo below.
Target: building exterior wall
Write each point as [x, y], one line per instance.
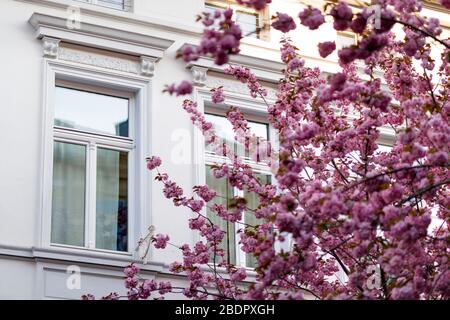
[30, 269]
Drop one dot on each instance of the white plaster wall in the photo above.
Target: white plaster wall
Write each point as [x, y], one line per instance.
[17, 279]
[21, 127]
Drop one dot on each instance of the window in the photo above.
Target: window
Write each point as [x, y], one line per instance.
[345, 39]
[253, 24]
[225, 192]
[92, 150]
[113, 4]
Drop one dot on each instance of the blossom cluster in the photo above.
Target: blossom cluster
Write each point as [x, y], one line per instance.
[256, 4]
[221, 38]
[217, 95]
[184, 88]
[284, 23]
[138, 288]
[245, 75]
[340, 201]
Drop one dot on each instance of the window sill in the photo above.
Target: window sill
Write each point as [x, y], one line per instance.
[77, 255]
[110, 259]
[94, 256]
[87, 251]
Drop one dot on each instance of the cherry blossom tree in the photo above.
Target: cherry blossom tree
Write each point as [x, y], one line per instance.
[380, 217]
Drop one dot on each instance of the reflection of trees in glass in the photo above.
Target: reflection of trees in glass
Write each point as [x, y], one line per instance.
[91, 112]
[122, 129]
[112, 200]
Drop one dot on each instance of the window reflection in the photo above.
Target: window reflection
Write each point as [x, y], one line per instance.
[248, 22]
[89, 111]
[115, 4]
[224, 130]
[112, 200]
[249, 216]
[224, 193]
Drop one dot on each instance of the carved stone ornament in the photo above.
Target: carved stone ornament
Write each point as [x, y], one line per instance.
[199, 75]
[148, 66]
[98, 60]
[50, 47]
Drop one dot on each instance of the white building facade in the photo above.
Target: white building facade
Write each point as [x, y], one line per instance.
[82, 107]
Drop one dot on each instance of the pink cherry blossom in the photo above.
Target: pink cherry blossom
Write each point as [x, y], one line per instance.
[342, 15]
[326, 48]
[256, 4]
[338, 200]
[153, 163]
[184, 88]
[312, 18]
[217, 95]
[161, 241]
[283, 22]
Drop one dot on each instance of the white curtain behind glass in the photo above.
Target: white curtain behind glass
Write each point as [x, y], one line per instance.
[249, 217]
[69, 183]
[224, 192]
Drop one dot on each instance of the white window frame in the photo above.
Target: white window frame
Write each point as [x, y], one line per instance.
[138, 89]
[92, 141]
[252, 107]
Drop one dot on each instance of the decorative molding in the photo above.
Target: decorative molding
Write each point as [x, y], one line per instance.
[149, 20]
[99, 36]
[147, 67]
[235, 87]
[98, 60]
[264, 69]
[139, 88]
[63, 256]
[199, 75]
[77, 255]
[50, 47]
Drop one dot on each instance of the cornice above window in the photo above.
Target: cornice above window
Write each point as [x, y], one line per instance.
[264, 69]
[99, 36]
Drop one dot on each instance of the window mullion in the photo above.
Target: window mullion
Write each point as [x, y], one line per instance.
[91, 194]
[240, 255]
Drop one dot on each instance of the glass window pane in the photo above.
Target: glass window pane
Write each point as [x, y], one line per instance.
[345, 40]
[115, 4]
[210, 8]
[248, 24]
[89, 111]
[253, 203]
[224, 192]
[69, 185]
[224, 131]
[261, 132]
[112, 200]
[259, 129]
